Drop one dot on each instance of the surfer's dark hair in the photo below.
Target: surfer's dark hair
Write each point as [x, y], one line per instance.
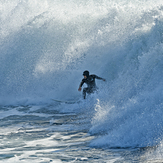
[86, 73]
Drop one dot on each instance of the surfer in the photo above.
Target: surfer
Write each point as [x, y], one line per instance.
[90, 81]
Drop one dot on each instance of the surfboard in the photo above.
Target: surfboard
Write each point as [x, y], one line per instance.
[67, 102]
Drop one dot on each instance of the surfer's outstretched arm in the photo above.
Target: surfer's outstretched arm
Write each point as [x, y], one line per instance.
[97, 77]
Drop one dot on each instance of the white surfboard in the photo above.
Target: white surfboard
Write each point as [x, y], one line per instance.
[67, 102]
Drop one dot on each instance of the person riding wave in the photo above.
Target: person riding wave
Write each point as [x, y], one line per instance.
[90, 81]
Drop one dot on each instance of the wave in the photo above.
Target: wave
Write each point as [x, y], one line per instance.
[45, 47]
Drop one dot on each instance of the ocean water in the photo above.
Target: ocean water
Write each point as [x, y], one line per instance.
[46, 45]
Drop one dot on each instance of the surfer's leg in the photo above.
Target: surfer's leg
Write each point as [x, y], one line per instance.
[85, 90]
[91, 90]
[88, 91]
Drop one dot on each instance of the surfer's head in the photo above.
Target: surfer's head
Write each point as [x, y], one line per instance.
[86, 74]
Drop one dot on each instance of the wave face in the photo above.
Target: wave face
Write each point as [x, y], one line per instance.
[46, 45]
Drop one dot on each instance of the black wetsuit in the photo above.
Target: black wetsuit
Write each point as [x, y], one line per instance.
[90, 81]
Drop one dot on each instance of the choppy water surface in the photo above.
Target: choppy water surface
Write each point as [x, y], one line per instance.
[43, 134]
